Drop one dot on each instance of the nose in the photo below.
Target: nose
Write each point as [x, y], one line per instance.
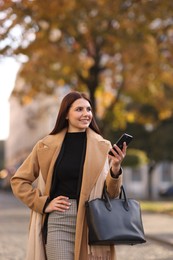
[86, 112]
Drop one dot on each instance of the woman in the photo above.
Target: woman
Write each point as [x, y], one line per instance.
[71, 165]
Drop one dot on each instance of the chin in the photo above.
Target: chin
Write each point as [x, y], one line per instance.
[83, 128]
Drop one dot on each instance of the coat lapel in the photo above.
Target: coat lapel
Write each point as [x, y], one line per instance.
[47, 156]
[96, 154]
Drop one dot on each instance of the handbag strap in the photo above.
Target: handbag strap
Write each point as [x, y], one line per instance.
[106, 198]
[122, 196]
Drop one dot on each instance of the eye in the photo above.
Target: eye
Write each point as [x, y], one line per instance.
[89, 109]
[79, 109]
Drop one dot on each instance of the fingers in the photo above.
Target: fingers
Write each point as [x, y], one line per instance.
[117, 157]
[124, 149]
[118, 154]
[60, 203]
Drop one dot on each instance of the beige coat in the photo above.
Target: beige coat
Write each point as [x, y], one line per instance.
[42, 159]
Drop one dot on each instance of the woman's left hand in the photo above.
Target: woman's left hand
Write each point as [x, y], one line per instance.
[117, 158]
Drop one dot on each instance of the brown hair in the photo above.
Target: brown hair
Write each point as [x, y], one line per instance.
[66, 103]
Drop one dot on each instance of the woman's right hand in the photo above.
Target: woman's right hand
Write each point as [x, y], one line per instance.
[60, 203]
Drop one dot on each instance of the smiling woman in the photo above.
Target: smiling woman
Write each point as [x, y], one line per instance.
[8, 70]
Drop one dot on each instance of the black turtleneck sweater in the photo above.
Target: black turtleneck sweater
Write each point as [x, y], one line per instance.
[68, 167]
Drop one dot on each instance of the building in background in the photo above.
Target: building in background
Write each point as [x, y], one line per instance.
[29, 123]
[2, 154]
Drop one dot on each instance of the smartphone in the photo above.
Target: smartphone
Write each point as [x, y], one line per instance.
[124, 138]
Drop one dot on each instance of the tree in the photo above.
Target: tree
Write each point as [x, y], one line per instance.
[119, 51]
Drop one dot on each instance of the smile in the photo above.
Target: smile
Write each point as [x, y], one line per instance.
[85, 120]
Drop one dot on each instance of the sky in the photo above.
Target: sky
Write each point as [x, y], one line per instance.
[8, 70]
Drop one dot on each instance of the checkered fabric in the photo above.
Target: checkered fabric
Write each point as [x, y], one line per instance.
[61, 234]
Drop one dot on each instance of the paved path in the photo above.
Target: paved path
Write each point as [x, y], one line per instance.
[14, 220]
[159, 228]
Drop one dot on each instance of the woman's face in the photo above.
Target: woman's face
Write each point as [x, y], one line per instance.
[79, 116]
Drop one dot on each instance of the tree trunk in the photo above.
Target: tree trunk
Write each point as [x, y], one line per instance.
[151, 168]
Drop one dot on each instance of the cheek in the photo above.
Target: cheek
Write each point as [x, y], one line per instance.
[73, 117]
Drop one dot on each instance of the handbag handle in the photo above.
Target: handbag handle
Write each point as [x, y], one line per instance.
[121, 195]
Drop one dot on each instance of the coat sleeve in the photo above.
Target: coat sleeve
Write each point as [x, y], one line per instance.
[22, 183]
[113, 185]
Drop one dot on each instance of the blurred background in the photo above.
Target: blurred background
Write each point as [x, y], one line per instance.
[119, 52]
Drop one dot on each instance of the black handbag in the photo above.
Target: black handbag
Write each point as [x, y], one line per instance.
[114, 221]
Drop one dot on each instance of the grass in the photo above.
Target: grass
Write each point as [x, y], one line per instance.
[157, 206]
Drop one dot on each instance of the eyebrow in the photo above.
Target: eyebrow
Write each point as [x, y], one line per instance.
[81, 106]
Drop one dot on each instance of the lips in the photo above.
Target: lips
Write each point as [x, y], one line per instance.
[85, 121]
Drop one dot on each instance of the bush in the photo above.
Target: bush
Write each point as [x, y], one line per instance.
[135, 158]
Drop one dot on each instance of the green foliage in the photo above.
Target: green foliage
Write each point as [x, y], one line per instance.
[156, 142]
[135, 158]
[161, 141]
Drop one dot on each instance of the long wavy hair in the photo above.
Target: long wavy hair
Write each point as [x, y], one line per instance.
[62, 122]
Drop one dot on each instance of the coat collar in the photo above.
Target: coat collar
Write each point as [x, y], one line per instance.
[96, 152]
